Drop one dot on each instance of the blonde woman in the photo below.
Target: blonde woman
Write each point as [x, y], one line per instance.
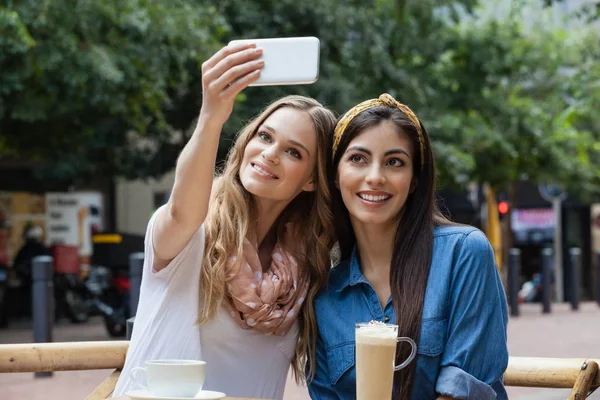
[232, 265]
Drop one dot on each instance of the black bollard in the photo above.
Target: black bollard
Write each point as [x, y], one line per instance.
[42, 302]
[575, 259]
[136, 265]
[129, 328]
[514, 275]
[546, 279]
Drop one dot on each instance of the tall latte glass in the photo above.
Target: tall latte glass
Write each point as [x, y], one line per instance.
[375, 353]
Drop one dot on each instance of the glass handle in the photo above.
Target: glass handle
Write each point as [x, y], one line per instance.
[413, 352]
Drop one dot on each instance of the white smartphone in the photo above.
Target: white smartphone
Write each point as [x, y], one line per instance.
[288, 61]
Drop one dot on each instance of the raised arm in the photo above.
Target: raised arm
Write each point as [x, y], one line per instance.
[224, 75]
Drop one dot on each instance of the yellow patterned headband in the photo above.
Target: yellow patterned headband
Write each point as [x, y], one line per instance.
[383, 100]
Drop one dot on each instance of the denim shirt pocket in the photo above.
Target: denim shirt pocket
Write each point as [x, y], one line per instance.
[340, 359]
[433, 337]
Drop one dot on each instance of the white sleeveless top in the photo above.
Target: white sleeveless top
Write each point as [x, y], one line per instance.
[239, 362]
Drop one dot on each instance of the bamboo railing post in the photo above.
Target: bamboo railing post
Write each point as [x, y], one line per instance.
[106, 388]
[583, 384]
[68, 356]
[560, 373]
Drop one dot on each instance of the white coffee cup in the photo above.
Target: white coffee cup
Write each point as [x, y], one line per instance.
[172, 378]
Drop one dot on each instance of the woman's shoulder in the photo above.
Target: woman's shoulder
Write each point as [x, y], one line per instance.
[191, 255]
[463, 250]
[464, 235]
[460, 240]
[454, 230]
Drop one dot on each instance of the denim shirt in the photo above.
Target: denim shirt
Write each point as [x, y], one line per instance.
[462, 349]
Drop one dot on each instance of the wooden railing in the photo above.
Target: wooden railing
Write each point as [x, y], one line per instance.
[67, 356]
[577, 373]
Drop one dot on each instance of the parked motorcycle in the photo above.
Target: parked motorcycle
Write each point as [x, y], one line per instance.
[108, 295]
[102, 289]
[108, 280]
[70, 298]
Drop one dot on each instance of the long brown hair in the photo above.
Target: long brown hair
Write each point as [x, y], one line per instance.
[232, 210]
[413, 245]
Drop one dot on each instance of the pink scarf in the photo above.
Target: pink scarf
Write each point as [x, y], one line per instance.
[266, 301]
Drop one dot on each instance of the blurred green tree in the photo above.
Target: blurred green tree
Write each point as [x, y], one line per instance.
[517, 91]
[101, 88]
[507, 90]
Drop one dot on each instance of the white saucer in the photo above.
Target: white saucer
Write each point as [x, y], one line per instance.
[145, 395]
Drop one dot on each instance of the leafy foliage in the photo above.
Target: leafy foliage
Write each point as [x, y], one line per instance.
[507, 90]
[520, 87]
[101, 87]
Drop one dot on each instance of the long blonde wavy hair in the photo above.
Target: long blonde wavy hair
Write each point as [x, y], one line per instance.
[232, 211]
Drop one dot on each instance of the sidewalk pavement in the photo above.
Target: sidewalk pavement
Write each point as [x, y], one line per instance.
[563, 333]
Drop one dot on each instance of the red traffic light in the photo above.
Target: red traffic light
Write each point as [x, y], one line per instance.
[503, 207]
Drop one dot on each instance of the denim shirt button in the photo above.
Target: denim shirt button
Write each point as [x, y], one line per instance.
[386, 319]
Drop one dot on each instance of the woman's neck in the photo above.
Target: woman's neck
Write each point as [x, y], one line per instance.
[375, 245]
[267, 212]
[262, 232]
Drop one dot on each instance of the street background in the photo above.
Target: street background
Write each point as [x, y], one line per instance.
[98, 98]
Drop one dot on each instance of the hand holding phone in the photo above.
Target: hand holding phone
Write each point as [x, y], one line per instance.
[224, 75]
[288, 61]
